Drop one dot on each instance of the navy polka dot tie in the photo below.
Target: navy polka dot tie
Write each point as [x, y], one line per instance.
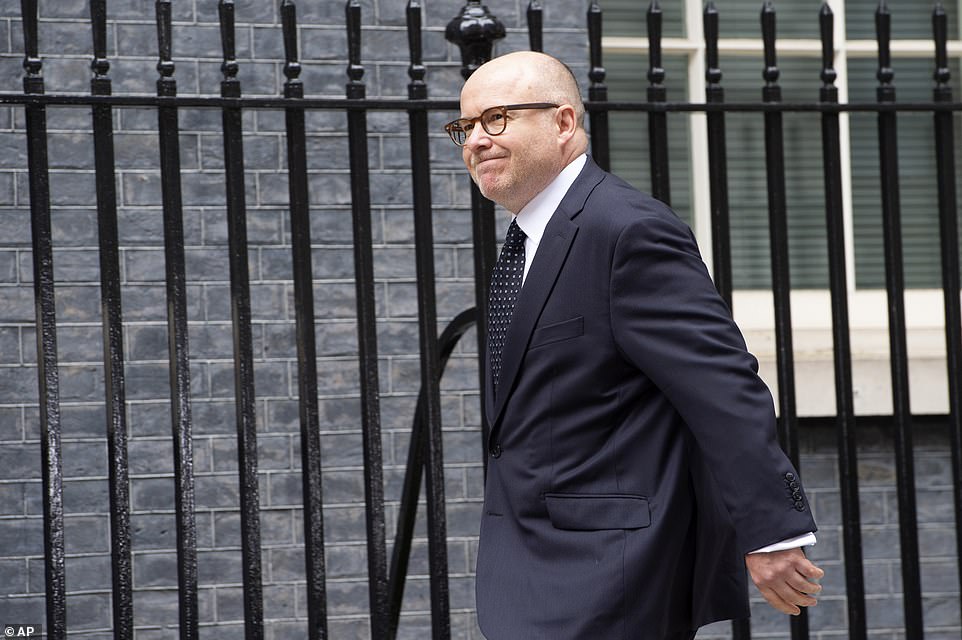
[506, 280]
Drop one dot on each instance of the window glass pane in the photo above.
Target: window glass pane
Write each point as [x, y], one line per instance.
[918, 188]
[628, 131]
[629, 18]
[748, 171]
[793, 19]
[910, 19]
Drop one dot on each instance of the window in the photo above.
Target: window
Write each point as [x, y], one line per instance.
[800, 65]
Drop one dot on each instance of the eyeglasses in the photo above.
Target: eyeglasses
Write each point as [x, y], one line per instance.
[493, 120]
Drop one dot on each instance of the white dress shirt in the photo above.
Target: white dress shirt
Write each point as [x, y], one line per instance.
[534, 217]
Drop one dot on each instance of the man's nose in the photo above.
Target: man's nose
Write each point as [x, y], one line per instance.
[477, 138]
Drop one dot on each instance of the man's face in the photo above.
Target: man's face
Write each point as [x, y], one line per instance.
[514, 166]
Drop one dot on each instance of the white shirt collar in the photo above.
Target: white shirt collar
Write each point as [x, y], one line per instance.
[534, 216]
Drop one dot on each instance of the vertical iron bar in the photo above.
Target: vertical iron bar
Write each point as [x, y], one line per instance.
[844, 394]
[113, 332]
[46, 323]
[535, 25]
[898, 353]
[169, 131]
[474, 30]
[243, 339]
[778, 231]
[427, 323]
[717, 161]
[949, 232]
[366, 321]
[718, 189]
[597, 91]
[306, 341]
[657, 118]
[781, 279]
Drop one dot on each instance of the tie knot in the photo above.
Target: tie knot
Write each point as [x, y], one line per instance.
[514, 238]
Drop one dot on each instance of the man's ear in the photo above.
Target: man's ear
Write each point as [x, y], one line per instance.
[567, 122]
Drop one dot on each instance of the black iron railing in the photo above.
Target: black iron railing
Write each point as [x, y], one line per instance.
[475, 30]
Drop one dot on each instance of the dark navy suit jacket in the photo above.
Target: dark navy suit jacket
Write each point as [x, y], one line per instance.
[633, 459]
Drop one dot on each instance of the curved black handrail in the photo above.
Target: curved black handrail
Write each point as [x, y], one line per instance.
[407, 514]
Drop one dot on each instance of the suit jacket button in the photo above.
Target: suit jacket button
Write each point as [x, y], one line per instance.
[799, 506]
[496, 450]
[789, 477]
[797, 496]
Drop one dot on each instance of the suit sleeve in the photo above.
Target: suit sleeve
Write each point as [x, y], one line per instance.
[670, 322]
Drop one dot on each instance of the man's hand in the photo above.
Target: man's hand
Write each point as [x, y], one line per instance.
[784, 578]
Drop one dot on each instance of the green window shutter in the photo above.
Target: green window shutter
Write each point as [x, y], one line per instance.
[918, 186]
[628, 131]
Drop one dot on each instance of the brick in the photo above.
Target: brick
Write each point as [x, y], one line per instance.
[155, 607]
[18, 385]
[87, 534]
[216, 417]
[222, 566]
[217, 491]
[84, 459]
[13, 576]
[21, 537]
[12, 498]
[13, 152]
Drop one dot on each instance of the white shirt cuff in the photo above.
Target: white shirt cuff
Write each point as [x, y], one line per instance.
[792, 543]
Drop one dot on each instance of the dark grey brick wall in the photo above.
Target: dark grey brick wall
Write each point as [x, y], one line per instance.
[65, 46]
[65, 43]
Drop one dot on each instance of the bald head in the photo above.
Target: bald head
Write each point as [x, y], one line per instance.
[537, 74]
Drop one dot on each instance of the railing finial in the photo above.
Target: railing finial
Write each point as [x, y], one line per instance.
[713, 74]
[355, 71]
[229, 66]
[164, 40]
[656, 73]
[771, 73]
[474, 30]
[293, 87]
[535, 25]
[940, 36]
[883, 33]
[826, 23]
[416, 70]
[597, 72]
[32, 64]
[98, 22]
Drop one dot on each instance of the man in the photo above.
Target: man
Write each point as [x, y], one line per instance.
[633, 470]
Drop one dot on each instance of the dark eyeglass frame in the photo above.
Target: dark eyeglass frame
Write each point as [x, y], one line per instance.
[459, 131]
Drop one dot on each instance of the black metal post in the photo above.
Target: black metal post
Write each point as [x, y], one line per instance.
[844, 394]
[176, 280]
[898, 353]
[427, 325]
[243, 339]
[717, 161]
[535, 25]
[474, 30]
[597, 91]
[315, 567]
[46, 323]
[781, 279]
[949, 233]
[657, 118]
[113, 332]
[366, 320]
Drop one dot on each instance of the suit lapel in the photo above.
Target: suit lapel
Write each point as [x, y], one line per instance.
[550, 258]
